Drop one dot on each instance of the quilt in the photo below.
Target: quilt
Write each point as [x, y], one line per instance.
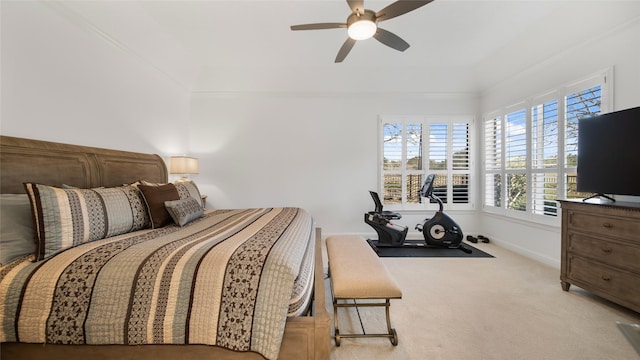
[226, 279]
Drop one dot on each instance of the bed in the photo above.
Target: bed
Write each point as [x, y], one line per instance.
[223, 284]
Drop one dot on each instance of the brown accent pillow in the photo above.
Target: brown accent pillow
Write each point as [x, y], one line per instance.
[155, 196]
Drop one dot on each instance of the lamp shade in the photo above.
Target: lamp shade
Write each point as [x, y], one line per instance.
[183, 165]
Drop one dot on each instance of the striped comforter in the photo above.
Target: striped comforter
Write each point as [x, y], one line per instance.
[227, 279]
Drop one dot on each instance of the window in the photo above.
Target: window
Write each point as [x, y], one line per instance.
[531, 149]
[493, 162]
[579, 105]
[515, 145]
[544, 158]
[407, 157]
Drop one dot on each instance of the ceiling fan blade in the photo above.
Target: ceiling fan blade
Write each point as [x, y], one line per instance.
[318, 26]
[391, 40]
[344, 50]
[356, 5]
[400, 7]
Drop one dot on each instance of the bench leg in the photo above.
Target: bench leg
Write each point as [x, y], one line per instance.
[335, 322]
[391, 332]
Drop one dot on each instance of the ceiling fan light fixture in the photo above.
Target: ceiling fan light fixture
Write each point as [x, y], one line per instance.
[362, 29]
[361, 26]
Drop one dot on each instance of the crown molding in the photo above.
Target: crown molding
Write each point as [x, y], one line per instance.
[337, 94]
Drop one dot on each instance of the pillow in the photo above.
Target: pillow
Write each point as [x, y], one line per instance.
[68, 217]
[187, 188]
[154, 197]
[184, 211]
[16, 227]
[145, 182]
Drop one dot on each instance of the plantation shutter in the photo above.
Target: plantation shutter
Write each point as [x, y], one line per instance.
[493, 161]
[515, 157]
[413, 146]
[438, 158]
[414, 166]
[516, 139]
[460, 162]
[544, 158]
[578, 105]
[392, 163]
[530, 149]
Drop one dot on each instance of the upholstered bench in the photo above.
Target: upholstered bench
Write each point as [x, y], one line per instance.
[356, 273]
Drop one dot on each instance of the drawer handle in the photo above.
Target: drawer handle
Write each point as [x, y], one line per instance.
[606, 277]
[607, 250]
[607, 225]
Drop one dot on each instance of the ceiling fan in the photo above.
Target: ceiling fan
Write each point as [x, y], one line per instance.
[362, 24]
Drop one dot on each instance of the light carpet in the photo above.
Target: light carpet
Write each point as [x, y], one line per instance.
[510, 307]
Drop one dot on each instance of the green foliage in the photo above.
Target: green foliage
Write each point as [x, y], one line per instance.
[517, 192]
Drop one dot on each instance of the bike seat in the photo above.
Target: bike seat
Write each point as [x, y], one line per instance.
[388, 215]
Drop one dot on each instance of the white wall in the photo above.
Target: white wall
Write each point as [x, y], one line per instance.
[64, 80]
[618, 48]
[314, 150]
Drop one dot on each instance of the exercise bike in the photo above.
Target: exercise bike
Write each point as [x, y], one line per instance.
[389, 233]
[440, 230]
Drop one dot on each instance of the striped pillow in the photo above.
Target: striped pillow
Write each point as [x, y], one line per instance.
[65, 218]
[184, 211]
[188, 188]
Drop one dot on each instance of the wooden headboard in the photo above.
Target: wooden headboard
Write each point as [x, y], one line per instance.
[50, 163]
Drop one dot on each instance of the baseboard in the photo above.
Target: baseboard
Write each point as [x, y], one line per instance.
[528, 253]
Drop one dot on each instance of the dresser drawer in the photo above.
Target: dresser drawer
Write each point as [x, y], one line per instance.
[605, 281]
[605, 225]
[613, 253]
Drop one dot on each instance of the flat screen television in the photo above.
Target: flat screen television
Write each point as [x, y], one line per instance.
[609, 153]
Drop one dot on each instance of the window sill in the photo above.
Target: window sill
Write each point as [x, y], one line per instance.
[538, 221]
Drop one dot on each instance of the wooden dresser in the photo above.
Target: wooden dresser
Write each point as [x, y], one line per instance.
[601, 249]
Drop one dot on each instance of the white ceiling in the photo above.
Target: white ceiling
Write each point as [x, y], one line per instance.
[456, 45]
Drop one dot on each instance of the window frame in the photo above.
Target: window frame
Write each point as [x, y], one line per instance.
[553, 96]
[426, 121]
[604, 78]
